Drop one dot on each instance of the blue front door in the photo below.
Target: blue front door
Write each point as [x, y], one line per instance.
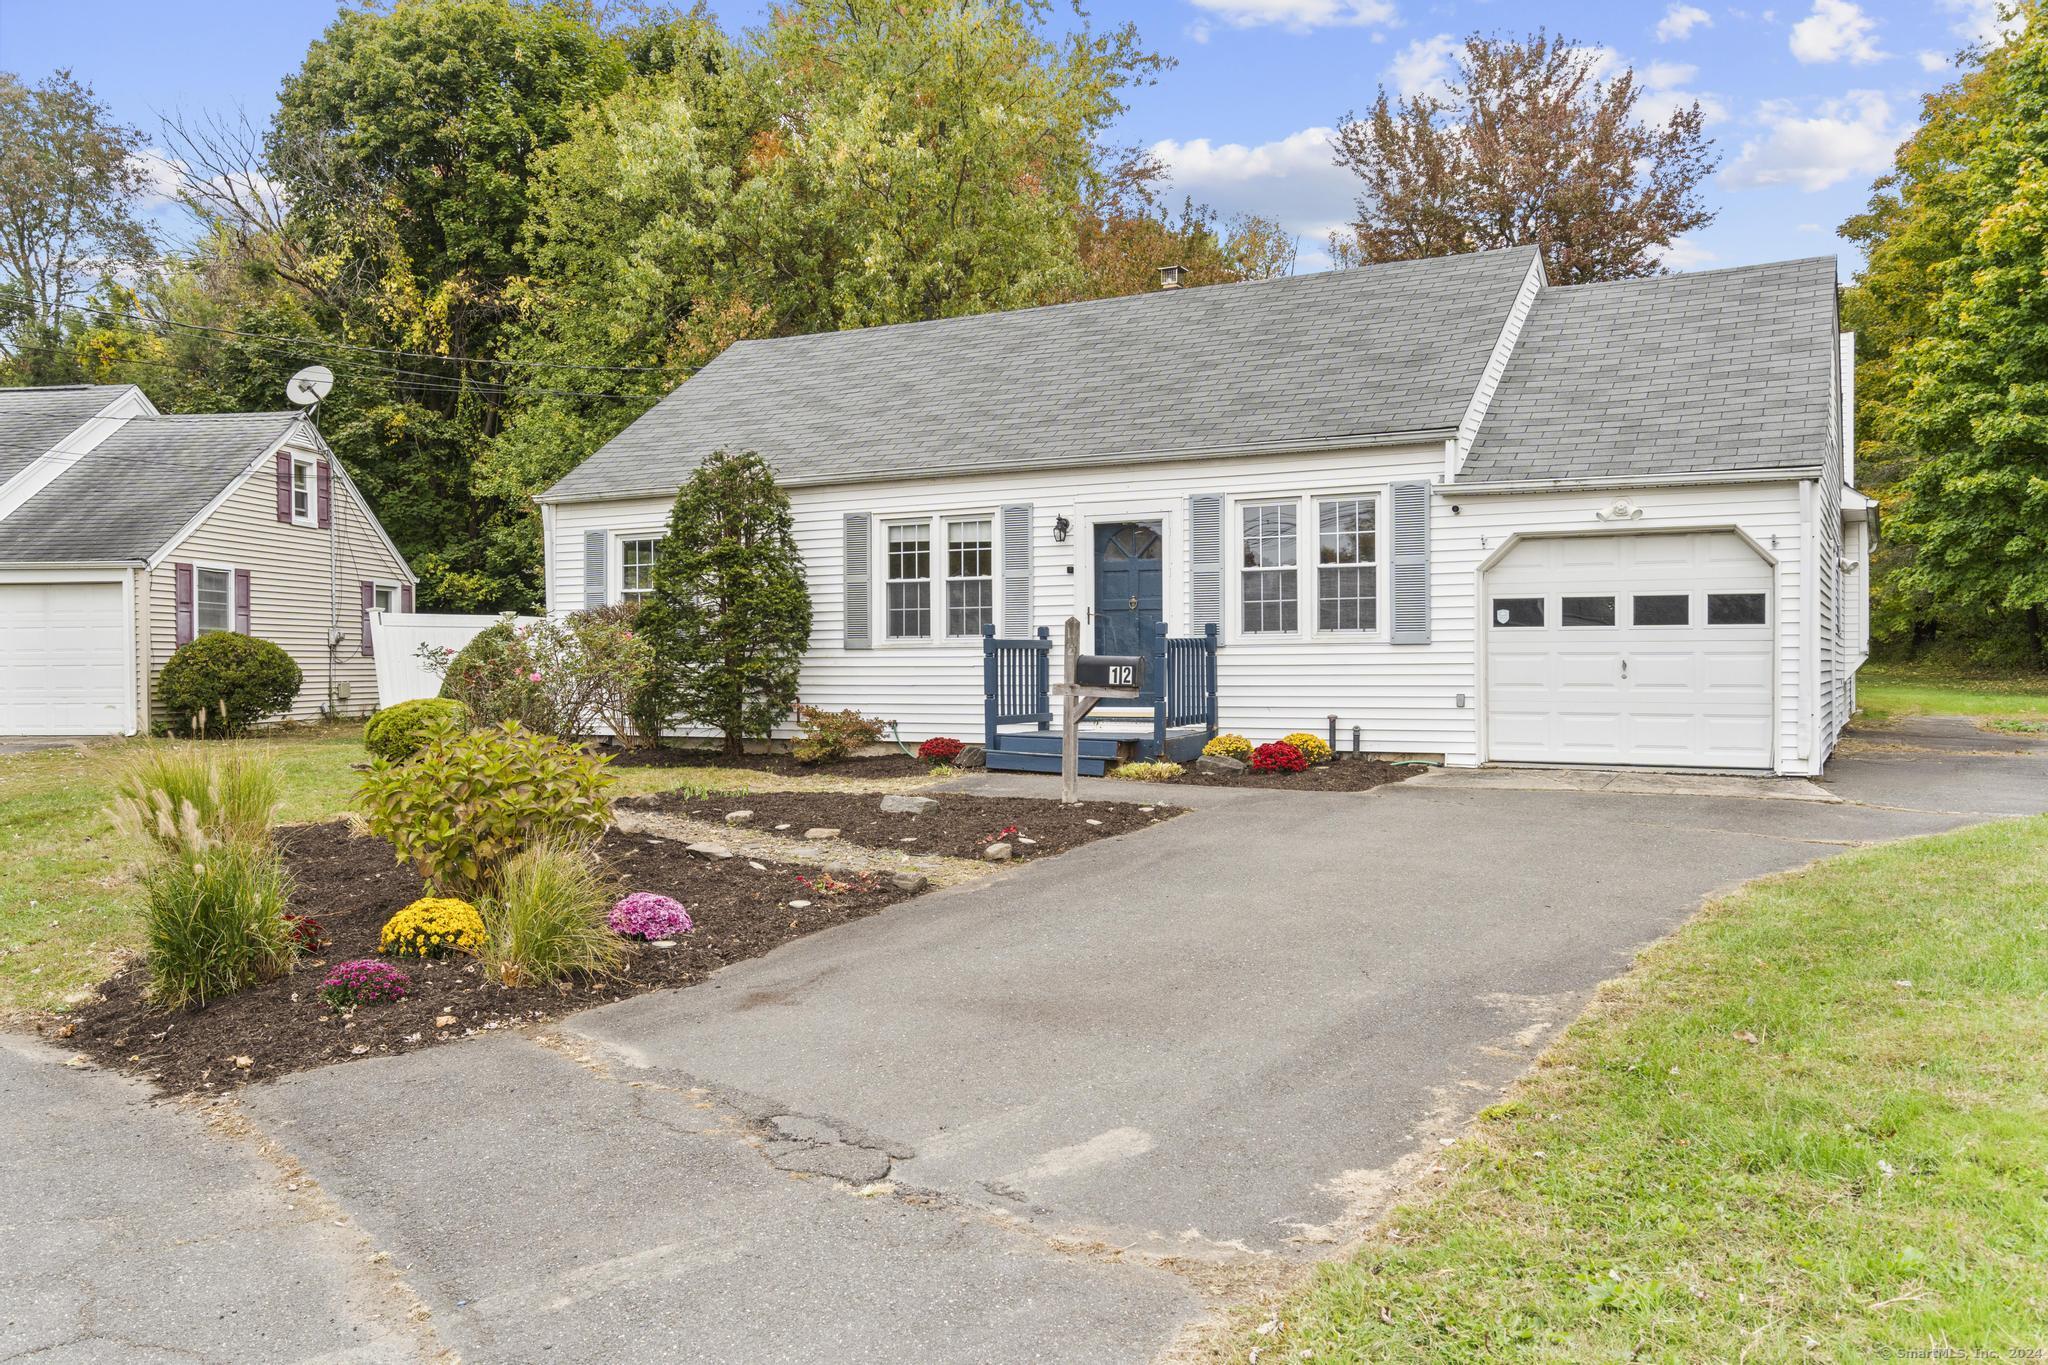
[1130, 587]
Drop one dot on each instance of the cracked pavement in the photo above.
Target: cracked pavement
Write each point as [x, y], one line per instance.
[1060, 1113]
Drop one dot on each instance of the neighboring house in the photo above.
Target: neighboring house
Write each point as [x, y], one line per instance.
[124, 533]
[1472, 514]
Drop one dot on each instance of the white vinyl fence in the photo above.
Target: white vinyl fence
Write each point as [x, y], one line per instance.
[396, 636]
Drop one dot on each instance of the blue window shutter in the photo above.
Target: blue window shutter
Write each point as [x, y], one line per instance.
[1411, 564]
[855, 631]
[594, 567]
[1016, 532]
[1205, 561]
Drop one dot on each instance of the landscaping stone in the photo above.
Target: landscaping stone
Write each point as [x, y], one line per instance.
[910, 881]
[719, 851]
[973, 756]
[843, 872]
[799, 905]
[821, 832]
[908, 805]
[997, 853]
[1218, 763]
[739, 817]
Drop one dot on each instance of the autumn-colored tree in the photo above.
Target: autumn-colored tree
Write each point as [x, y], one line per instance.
[1126, 234]
[1530, 141]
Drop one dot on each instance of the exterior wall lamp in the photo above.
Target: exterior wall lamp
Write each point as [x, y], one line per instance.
[1060, 527]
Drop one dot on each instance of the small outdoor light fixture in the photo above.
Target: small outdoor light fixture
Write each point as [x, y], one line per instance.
[1060, 527]
[1169, 276]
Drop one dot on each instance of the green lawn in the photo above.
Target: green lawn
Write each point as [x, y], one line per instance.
[1886, 692]
[1811, 1125]
[68, 897]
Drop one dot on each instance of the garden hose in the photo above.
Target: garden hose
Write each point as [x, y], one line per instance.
[899, 740]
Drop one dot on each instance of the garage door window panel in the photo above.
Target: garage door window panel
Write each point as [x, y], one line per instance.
[1578, 613]
[1736, 609]
[1663, 609]
[1518, 613]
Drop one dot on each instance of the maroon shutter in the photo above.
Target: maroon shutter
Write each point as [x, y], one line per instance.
[326, 496]
[241, 601]
[181, 575]
[405, 598]
[284, 486]
[369, 605]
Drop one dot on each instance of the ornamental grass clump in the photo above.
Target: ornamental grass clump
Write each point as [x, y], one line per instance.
[1147, 772]
[1313, 749]
[433, 926]
[547, 920]
[364, 981]
[214, 922]
[1229, 746]
[183, 799]
[649, 915]
[1278, 757]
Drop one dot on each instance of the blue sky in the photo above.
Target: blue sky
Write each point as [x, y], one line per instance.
[1805, 99]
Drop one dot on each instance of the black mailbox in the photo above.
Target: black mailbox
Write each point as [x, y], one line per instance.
[1111, 672]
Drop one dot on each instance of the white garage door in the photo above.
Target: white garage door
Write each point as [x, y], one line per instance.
[1630, 649]
[63, 659]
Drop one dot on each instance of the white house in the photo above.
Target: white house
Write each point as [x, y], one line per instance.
[1473, 514]
[124, 533]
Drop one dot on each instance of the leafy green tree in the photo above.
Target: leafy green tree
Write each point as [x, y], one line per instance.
[70, 185]
[730, 616]
[1919, 218]
[1974, 502]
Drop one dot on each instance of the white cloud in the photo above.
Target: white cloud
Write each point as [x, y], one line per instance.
[1300, 15]
[1424, 65]
[1932, 62]
[1852, 136]
[1665, 92]
[1982, 21]
[1837, 30]
[1685, 254]
[1679, 21]
[1294, 179]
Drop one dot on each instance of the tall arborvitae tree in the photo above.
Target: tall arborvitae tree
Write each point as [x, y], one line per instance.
[730, 616]
[1527, 143]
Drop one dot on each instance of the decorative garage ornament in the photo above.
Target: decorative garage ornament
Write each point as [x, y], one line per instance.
[1621, 509]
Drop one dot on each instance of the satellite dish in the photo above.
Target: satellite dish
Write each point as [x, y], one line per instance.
[306, 388]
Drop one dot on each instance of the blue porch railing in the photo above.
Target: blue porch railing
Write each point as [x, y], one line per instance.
[1179, 692]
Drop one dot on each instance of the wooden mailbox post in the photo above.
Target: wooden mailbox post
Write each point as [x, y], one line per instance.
[1089, 678]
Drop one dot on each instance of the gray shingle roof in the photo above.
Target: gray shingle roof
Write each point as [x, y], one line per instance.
[136, 489]
[33, 420]
[1378, 351]
[1722, 371]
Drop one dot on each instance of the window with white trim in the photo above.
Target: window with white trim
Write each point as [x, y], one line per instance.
[1269, 584]
[636, 567]
[908, 580]
[213, 600]
[1347, 564]
[970, 575]
[305, 490]
[385, 597]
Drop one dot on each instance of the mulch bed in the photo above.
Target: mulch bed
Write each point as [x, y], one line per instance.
[886, 765]
[959, 826]
[1343, 775]
[353, 884]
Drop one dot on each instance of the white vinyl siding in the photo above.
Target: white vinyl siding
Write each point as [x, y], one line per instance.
[291, 572]
[1405, 698]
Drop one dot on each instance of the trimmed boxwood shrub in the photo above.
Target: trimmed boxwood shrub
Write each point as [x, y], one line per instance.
[222, 683]
[397, 732]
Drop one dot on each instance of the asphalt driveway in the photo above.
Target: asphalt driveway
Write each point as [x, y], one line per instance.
[1048, 1116]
